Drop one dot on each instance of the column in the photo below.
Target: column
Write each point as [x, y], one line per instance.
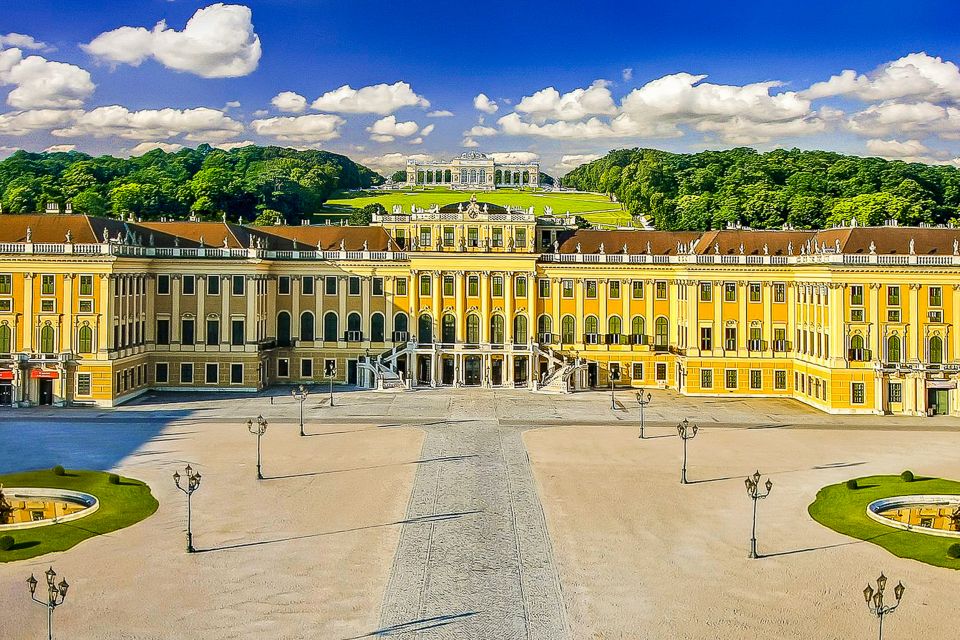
[174, 312]
[318, 289]
[835, 329]
[460, 295]
[342, 284]
[365, 309]
[104, 303]
[648, 288]
[250, 325]
[201, 289]
[150, 323]
[718, 296]
[68, 332]
[954, 354]
[225, 294]
[436, 286]
[507, 310]
[388, 310]
[743, 295]
[484, 306]
[766, 332]
[295, 310]
[916, 345]
[792, 315]
[413, 292]
[531, 309]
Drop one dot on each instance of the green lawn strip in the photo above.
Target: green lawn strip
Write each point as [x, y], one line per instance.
[845, 511]
[121, 505]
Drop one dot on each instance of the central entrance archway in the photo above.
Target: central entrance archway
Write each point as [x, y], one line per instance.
[471, 371]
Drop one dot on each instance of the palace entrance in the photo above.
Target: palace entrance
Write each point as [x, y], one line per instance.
[6, 394]
[520, 371]
[448, 370]
[45, 387]
[496, 371]
[423, 370]
[592, 374]
[938, 401]
[471, 371]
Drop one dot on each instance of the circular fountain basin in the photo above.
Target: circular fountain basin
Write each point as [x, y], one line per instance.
[40, 507]
[929, 514]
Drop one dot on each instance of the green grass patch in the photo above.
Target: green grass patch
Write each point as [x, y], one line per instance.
[121, 505]
[595, 207]
[845, 511]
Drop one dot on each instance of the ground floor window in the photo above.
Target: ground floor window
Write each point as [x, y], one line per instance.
[638, 371]
[283, 368]
[186, 373]
[895, 391]
[780, 380]
[857, 393]
[730, 378]
[661, 371]
[330, 367]
[236, 373]
[84, 384]
[306, 368]
[706, 378]
[756, 379]
[212, 373]
[161, 372]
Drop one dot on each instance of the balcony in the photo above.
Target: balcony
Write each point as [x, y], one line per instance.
[639, 338]
[661, 348]
[756, 345]
[400, 336]
[614, 338]
[546, 338]
[353, 336]
[591, 338]
[781, 345]
[859, 355]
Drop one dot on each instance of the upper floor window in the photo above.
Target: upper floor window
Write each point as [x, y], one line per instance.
[935, 296]
[48, 285]
[754, 292]
[779, 292]
[497, 286]
[637, 286]
[566, 287]
[86, 285]
[893, 295]
[543, 286]
[424, 285]
[378, 286]
[661, 290]
[448, 285]
[614, 287]
[6, 284]
[521, 287]
[213, 285]
[856, 295]
[729, 292]
[306, 285]
[401, 286]
[188, 285]
[283, 285]
[473, 286]
[239, 285]
[497, 236]
[330, 285]
[591, 288]
[425, 236]
[448, 236]
[353, 285]
[706, 291]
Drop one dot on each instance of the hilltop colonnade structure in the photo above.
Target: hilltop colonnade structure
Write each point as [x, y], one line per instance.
[473, 171]
[847, 320]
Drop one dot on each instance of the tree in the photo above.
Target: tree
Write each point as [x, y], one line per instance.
[91, 203]
[363, 217]
[399, 176]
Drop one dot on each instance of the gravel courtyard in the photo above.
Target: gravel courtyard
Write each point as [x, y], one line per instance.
[474, 514]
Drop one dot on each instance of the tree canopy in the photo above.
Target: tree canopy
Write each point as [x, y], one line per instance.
[806, 189]
[210, 183]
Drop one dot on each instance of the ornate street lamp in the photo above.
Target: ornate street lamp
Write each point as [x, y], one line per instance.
[643, 402]
[330, 372]
[300, 394]
[874, 599]
[753, 492]
[686, 431]
[259, 428]
[193, 483]
[56, 594]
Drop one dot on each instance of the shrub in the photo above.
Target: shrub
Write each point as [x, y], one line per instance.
[852, 484]
[6, 543]
[907, 476]
[113, 478]
[59, 470]
[954, 550]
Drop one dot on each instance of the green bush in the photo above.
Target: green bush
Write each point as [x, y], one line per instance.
[59, 470]
[852, 484]
[6, 543]
[113, 478]
[907, 476]
[954, 550]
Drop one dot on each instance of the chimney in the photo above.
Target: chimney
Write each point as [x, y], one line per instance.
[53, 207]
[69, 207]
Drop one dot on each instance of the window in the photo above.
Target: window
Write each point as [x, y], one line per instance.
[84, 384]
[660, 290]
[706, 291]
[473, 237]
[448, 285]
[378, 286]
[568, 330]
[6, 339]
[86, 285]
[590, 325]
[48, 306]
[330, 285]
[473, 286]
[306, 285]
[425, 329]
[187, 335]
[730, 338]
[283, 285]
[448, 236]
[520, 330]
[591, 288]
[856, 315]
[706, 378]
[163, 331]
[236, 373]
[213, 331]
[661, 372]
[857, 393]
[780, 379]
[497, 237]
[893, 296]
[756, 379]
[425, 236]
[614, 325]
[637, 371]
[161, 372]
[496, 329]
[47, 285]
[706, 338]
[353, 286]
[936, 296]
[473, 329]
[188, 286]
[614, 287]
[779, 292]
[213, 285]
[401, 286]
[283, 368]
[497, 286]
[566, 288]
[448, 329]
[895, 392]
[521, 287]
[521, 236]
[186, 373]
[856, 295]
[637, 289]
[306, 326]
[936, 350]
[729, 292]
[424, 285]
[6, 284]
[377, 327]
[238, 285]
[6, 305]
[211, 373]
[306, 368]
[730, 378]
[754, 292]
[893, 349]
[543, 285]
[237, 337]
[662, 332]
[163, 285]
[85, 339]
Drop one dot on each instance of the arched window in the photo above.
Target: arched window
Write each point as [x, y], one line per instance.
[463, 176]
[353, 322]
[544, 325]
[448, 329]
[283, 329]
[6, 339]
[662, 332]
[568, 330]
[590, 324]
[473, 329]
[496, 330]
[47, 342]
[614, 325]
[936, 350]
[84, 339]
[520, 330]
[376, 327]
[526, 177]
[637, 326]
[400, 322]
[306, 326]
[446, 175]
[498, 176]
[439, 177]
[893, 349]
[856, 342]
[331, 327]
[473, 176]
[425, 329]
[483, 176]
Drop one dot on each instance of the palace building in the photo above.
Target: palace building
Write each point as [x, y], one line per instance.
[473, 171]
[847, 320]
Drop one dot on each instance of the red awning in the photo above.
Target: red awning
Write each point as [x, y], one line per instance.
[6, 374]
[43, 373]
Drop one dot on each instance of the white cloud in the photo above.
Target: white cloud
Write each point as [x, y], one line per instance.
[427, 130]
[6, 151]
[549, 104]
[289, 102]
[23, 41]
[311, 129]
[227, 146]
[61, 148]
[897, 149]
[201, 124]
[259, 113]
[574, 160]
[217, 42]
[390, 162]
[480, 131]
[144, 147]
[382, 99]
[41, 83]
[514, 156]
[417, 140]
[913, 118]
[440, 113]
[916, 75]
[19, 123]
[386, 129]
[511, 124]
[469, 143]
[485, 104]
[627, 74]
[233, 104]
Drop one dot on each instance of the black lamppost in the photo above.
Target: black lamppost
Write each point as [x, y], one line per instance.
[259, 428]
[300, 394]
[193, 483]
[874, 600]
[56, 594]
[614, 376]
[330, 372]
[686, 431]
[643, 402]
[753, 492]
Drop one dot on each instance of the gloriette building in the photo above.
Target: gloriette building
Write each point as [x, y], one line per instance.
[474, 171]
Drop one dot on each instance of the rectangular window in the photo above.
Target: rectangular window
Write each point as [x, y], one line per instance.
[780, 379]
[330, 285]
[614, 287]
[161, 373]
[857, 393]
[637, 287]
[521, 287]
[86, 285]
[706, 378]
[6, 305]
[212, 373]
[213, 331]
[283, 368]
[188, 285]
[425, 237]
[330, 368]
[856, 315]
[521, 238]
[473, 237]
[730, 338]
[895, 392]
[86, 306]
[353, 286]
[497, 236]
[706, 338]
[6, 284]
[448, 285]
[283, 285]
[48, 306]
[238, 285]
[856, 295]
[755, 335]
[661, 372]
[591, 288]
[706, 292]
[401, 284]
[84, 384]
[497, 286]
[237, 337]
[163, 331]
[730, 378]
[543, 286]
[306, 368]
[936, 296]
[893, 315]
[306, 285]
[47, 285]
[424, 285]
[448, 236]
[729, 292]
[779, 292]
[893, 296]
[186, 373]
[377, 286]
[187, 336]
[756, 379]
[661, 290]
[213, 285]
[754, 292]
[566, 288]
[638, 371]
[236, 373]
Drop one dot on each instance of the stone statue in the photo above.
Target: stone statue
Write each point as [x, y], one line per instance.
[509, 243]
[649, 249]
[624, 248]
[202, 243]
[873, 248]
[484, 207]
[413, 243]
[342, 245]
[151, 241]
[716, 248]
[251, 241]
[459, 207]
[548, 210]
[29, 234]
[741, 248]
[803, 249]
[226, 243]
[578, 248]
[176, 241]
[956, 247]
[556, 246]
[837, 245]
[69, 236]
[790, 248]
[319, 244]
[106, 235]
[365, 246]
[766, 249]
[296, 246]
[912, 252]
[601, 248]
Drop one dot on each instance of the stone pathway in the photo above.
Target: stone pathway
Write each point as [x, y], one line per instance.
[475, 560]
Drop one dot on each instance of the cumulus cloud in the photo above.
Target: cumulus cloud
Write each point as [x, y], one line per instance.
[227, 146]
[897, 149]
[427, 130]
[574, 160]
[201, 124]
[485, 104]
[627, 74]
[469, 143]
[387, 129]
[61, 148]
[480, 131]
[382, 99]
[390, 162]
[219, 41]
[913, 118]
[514, 156]
[289, 102]
[310, 129]
[916, 75]
[233, 104]
[23, 41]
[440, 113]
[40, 83]
[20, 123]
[145, 147]
[549, 104]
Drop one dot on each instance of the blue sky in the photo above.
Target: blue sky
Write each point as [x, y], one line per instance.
[562, 81]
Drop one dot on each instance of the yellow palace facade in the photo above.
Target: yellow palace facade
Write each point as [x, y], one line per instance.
[848, 320]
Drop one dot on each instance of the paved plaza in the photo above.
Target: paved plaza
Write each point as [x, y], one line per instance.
[477, 514]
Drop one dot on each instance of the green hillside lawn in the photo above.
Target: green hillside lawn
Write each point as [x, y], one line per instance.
[845, 511]
[594, 207]
[121, 505]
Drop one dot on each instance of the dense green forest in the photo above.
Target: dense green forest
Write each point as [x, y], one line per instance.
[250, 182]
[806, 189]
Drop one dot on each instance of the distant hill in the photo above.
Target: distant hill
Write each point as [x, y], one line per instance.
[248, 182]
[807, 189]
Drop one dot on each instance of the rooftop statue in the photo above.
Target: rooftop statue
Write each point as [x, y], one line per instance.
[601, 247]
[365, 245]
[873, 247]
[912, 252]
[578, 248]
[790, 248]
[766, 249]
[837, 245]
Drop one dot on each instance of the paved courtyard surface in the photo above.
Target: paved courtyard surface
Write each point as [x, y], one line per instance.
[420, 515]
